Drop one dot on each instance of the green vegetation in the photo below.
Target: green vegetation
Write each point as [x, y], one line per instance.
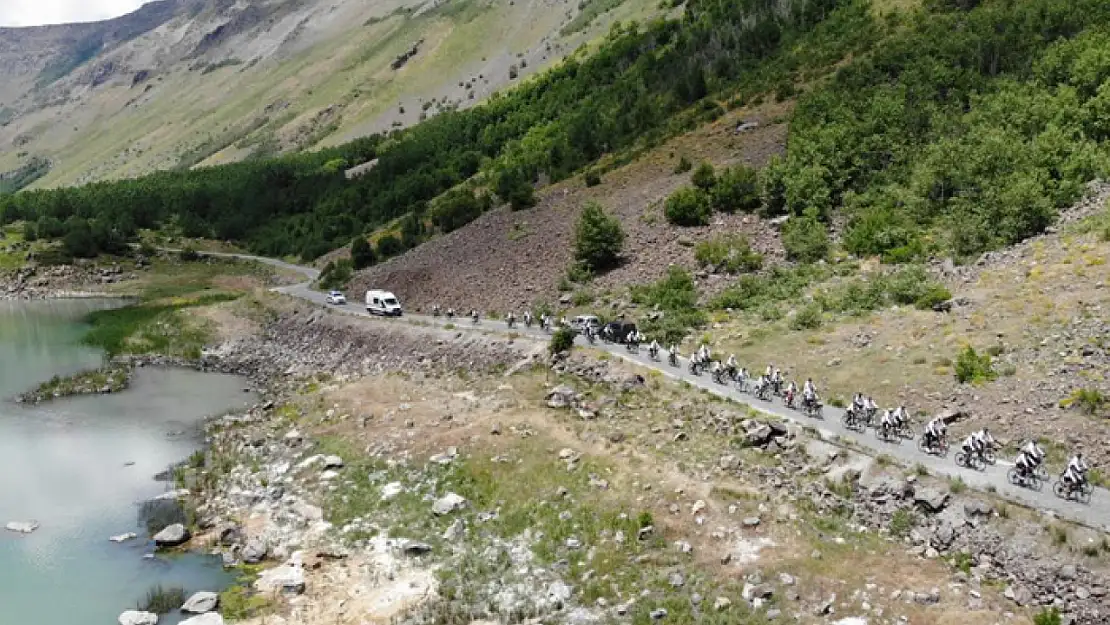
[974, 368]
[728, 253]
[805, 238]
[902, 522]
[111, 378]
[676, 297]
[239, 602]
[588, 11]
[1047, 616]
[162, 600]
[561, 341]
[809, 317]
[336, 274]
[151, 328]
[643, 83]
[1090, 401]
[704, 177]
[598, 239]
[737, 189]
[689, 206]
[32, 170]
[362, 254]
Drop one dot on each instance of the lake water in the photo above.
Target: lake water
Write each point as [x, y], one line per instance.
[80, 467]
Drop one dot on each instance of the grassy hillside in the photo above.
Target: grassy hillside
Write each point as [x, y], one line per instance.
[920, 142]
[299, 75]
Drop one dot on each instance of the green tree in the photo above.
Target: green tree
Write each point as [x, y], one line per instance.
[389, 246]
[704, 177]
[805, 238]
[737, 188]
[562, 341]
[455, 209]
[687, 207]
[362, 253]
[598, 238]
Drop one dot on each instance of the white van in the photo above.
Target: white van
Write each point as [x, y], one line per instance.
[382, 303]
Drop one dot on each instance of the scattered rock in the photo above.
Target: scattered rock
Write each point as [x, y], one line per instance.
[135, 617]
[658, 614]
[931, 499]
[415, 548]
[122, 538]
[752, 521]
[391, 490]
[448, 504]
[722, 603]
[333, 462]
[201, 602]
[254, 551]
[172, 536]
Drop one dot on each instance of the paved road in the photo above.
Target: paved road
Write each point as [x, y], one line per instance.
[1095, 514]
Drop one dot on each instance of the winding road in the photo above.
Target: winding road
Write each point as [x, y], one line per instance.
[1095, 514]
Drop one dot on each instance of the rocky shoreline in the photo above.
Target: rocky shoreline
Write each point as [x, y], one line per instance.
[272, 513]
[112, 378]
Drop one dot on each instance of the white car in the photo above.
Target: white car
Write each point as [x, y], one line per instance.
[337, 298]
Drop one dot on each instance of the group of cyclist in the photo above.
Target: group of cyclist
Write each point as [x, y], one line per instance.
[977, 448]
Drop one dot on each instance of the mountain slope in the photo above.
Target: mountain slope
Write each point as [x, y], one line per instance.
[182, 82]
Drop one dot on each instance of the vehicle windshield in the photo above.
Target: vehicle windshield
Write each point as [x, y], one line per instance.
[389, 301]
[337, 293]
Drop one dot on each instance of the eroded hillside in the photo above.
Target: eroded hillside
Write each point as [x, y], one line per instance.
[185, 82]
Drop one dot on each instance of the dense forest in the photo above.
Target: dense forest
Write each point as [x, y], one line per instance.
[635, 86]
[954, 127]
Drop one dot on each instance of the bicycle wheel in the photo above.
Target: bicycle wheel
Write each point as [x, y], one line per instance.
[1014, 477]
[1060, 489]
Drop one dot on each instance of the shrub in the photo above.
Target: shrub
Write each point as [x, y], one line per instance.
[684, 165]
[974, 368]
[336, 274]
[455, 209]
[160, 600]
[737, 188]
[592, 178]
[807, 318]
[362, 253]
[731, 254]
[704, 177]
[1047, 616]
[677, 297]
[687, 207]
[902, 521]
[388, 246]
[1088, 400]
[189, 255]
[805, 238]
[561, 341]
[598, 238]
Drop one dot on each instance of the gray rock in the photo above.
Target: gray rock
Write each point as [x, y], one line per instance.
[658, 614]
[172, 536]
[333, 462]
[978, 507]
[676, 579]
[135, 617]
[448, 504]
[1082, 593]
[1067, 572]
[943, 535]
[1019, 595]
[722, 603]
[559, 592]
[786, 579]
[201, 602]
[752, 521]
[288, 578]
[928, 598]
[208, 618]
[415, 548]
[455, 532]
[255, 550]
[931, 499]
[122, 538]
[773, 614]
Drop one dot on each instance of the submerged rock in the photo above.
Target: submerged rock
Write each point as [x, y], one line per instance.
[209, 618]
[122, 538]
[22, 527]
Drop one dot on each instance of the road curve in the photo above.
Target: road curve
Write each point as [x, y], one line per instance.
[1096, 514]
